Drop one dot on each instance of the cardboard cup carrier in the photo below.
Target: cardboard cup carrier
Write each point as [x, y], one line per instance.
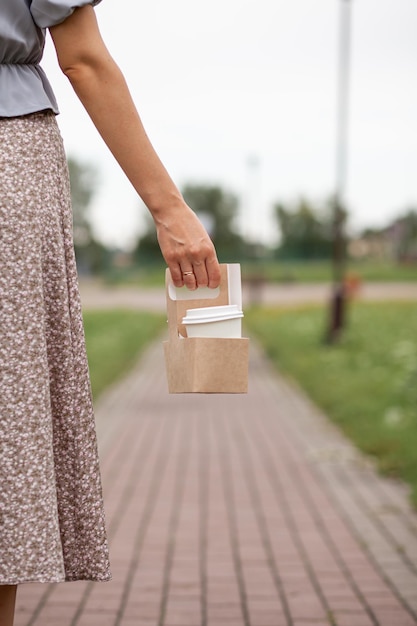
[205, 352]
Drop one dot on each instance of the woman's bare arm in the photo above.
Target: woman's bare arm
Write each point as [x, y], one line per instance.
[102, 89]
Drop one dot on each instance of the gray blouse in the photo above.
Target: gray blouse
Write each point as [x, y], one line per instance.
[24, 87]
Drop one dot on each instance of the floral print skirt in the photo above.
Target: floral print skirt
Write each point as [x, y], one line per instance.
[51, 511]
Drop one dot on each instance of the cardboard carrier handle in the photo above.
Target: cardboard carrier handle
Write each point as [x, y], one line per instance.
[179, 299]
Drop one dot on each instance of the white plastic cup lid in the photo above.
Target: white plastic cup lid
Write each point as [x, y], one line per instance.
[212, 314]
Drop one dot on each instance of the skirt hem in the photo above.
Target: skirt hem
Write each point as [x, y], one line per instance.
[58, 579]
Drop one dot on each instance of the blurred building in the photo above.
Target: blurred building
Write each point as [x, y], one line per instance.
[396, 242]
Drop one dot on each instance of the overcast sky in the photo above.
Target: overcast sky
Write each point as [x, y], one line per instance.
[242, 93]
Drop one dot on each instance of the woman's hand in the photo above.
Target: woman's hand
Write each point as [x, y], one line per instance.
[187, 249]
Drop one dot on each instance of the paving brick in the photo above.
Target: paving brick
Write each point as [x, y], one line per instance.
[224, 613]
[138, 622]
[389, 618]
[349, 604]
[265, 618]
[53, 615]
[95, 619]
[144, 610]
[311, 622]
[356, 619]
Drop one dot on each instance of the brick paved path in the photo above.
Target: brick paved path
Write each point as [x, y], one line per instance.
[237, 511]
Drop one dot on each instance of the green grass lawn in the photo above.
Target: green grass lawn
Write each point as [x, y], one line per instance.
[114, 341]
[321, 271]
[367, 384]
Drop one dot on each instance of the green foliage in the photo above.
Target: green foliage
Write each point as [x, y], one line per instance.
[217, 209]
[83, 179]
[114, 340]
[307, 231]
[147, 248]
[367, 384]
[146, 274]
[91, 255]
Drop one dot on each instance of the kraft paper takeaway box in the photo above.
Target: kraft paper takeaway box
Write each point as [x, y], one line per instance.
[205, 364]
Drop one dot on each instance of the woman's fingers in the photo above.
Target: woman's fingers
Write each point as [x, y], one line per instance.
[182, 277]
[176, 274]
[200, 274]
[213, 271]
[189, 278]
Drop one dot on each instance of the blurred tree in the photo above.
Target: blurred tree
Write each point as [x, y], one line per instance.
[90, 254]
[147, 248]
[216, 208]
[306, 230]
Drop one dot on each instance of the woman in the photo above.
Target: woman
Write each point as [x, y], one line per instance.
[51, 515]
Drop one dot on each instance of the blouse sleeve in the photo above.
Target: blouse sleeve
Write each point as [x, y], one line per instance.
[46, 13]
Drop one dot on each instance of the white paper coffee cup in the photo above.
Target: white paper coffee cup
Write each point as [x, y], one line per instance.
[214, 321]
